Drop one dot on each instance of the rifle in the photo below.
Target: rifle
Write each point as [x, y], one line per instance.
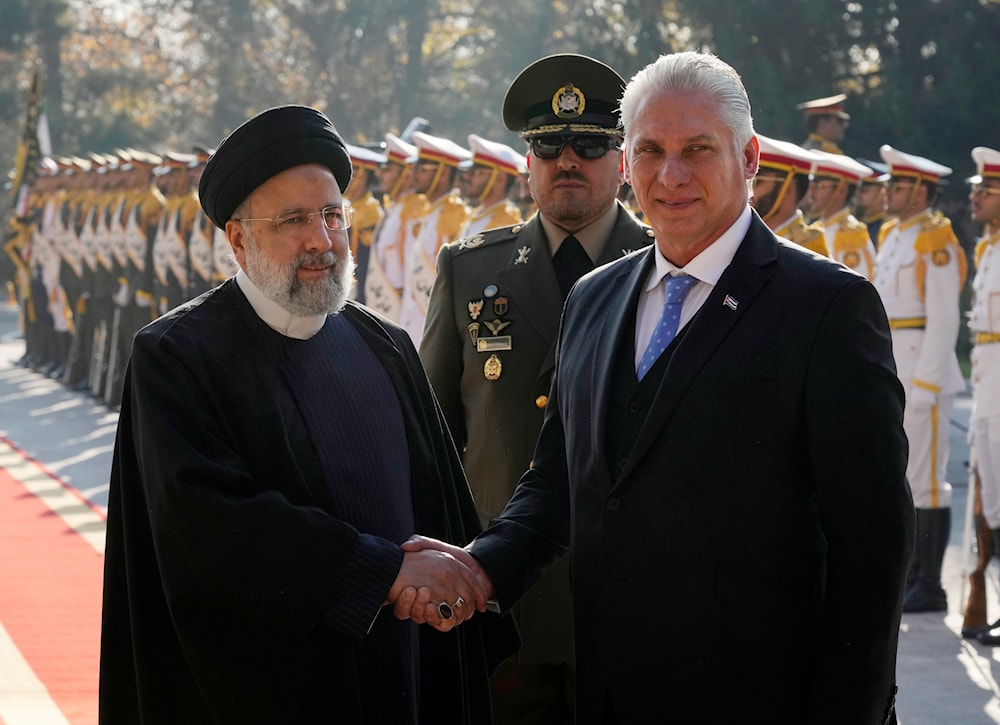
[975, 622]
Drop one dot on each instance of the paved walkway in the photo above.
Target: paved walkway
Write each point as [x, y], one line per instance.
[55, 455]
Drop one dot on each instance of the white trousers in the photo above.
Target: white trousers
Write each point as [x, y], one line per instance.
[986, 441]
[927, 430]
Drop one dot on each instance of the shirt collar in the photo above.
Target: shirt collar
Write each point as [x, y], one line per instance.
[713, 260]
[591, 237]
[277, 317]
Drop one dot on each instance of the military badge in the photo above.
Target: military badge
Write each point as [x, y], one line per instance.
[522, 255]
[490, 291]
[852, 259]
[492, 368]
[500, 306]
[941, 257]
[475, 307]
[568, 102]
[474, 332]
[472, 242]
[496, 326]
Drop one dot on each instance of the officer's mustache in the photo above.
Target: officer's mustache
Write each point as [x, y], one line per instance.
[570, 175]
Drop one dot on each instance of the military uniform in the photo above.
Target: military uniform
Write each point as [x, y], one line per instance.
[823, 108]
[812, 236]
[424, 236]
[984, 428]
[504, 163]
[920, 271]
[792, 163]
[368, 211]
[846, 238]
[386, 262]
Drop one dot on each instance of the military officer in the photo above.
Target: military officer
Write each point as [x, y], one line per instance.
[368, 210]
[435, 175]
[834, 182]
[386, 263]
[826, 122]
[984, 324]
[779, 188]
[920, 271]
[491, 173]
[869, 202]
[488, 345]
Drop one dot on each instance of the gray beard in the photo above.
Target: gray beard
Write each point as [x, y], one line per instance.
[280, 284]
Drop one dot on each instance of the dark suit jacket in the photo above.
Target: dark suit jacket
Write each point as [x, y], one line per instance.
[226, 551]
[747, 561]
[495, 423]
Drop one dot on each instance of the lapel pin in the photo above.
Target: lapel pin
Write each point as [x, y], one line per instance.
[730, 302]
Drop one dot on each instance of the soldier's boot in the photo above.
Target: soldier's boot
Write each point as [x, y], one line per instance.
[933, 530]
[992, 636]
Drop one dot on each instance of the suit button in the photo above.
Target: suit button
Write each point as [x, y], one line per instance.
[541, 401]
[634, 407]
[614, 503]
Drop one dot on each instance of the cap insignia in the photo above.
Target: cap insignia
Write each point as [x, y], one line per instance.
[568, 102]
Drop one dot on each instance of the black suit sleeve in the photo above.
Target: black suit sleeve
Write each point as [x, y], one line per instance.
[858, 452]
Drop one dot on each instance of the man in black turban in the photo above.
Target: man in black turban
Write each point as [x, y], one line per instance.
[276, 445]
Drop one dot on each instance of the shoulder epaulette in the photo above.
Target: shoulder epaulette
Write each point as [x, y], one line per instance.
[810, 236]
[852, 236]
[935, 234]
[487, 238]
[984, 244]
[367, 212]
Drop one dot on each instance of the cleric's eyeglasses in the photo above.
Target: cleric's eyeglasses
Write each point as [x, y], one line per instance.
[295, 224]
[586, 147]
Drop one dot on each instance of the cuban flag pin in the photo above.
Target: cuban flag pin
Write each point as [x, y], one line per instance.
[730, 302]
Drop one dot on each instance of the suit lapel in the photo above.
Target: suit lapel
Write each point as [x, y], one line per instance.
[739, 285]
[611, 331]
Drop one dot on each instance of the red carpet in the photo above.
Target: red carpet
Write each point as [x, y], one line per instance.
[50, 600]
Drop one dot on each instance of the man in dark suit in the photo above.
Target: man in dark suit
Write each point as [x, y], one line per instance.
[489, 340]
[734, 506]
[276, 445]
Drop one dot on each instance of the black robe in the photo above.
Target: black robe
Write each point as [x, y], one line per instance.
[224, 551]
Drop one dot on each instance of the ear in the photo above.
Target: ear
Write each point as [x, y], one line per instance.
[237, 237]
[527, 158]
[751, 157]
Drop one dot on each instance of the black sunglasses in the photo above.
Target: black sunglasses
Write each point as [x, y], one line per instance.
[586, 147]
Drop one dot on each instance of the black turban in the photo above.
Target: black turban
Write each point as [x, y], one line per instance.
[273, 141]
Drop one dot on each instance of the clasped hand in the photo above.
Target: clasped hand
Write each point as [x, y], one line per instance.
[434, 573]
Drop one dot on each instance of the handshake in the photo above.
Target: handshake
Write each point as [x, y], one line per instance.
[438, 584]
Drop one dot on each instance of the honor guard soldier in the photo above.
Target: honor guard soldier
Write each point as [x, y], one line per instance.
[386, 264]
[78, 273]
[835, 181]
[368, 210]
[781, 184]
[201, 274]
[826, 122]
[984, 324]
[169, 250]
[920, 271]
[489, 342]
[435, 175]
[491, 175]
[869, 202]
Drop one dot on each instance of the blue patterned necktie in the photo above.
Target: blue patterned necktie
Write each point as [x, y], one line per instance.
[666, 328]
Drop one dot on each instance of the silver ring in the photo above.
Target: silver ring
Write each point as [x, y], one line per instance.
[444, 610]
[458, 603]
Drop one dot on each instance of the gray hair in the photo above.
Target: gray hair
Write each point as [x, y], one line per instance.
[691, 71]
